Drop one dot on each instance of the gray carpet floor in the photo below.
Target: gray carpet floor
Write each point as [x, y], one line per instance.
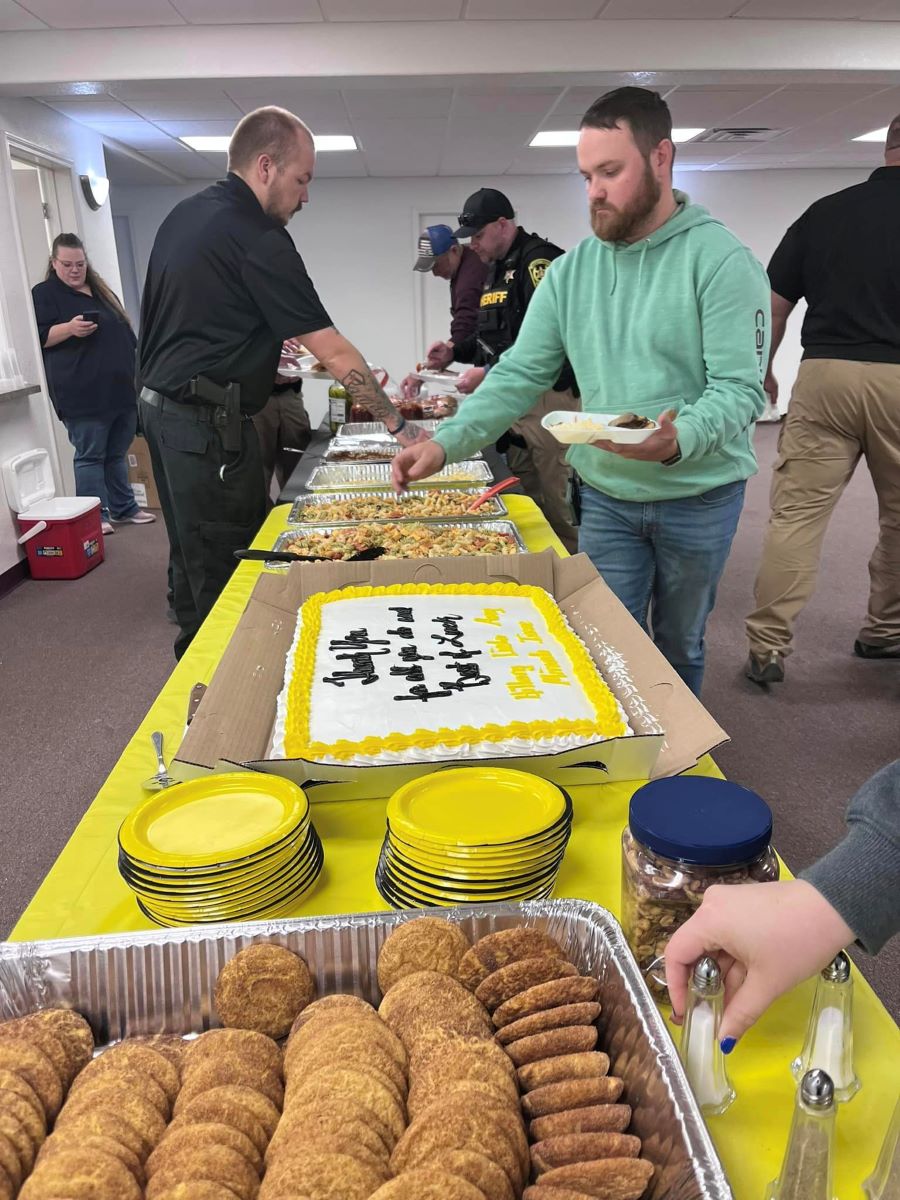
[81, 661]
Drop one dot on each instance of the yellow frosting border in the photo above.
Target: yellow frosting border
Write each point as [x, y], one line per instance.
[607, 720]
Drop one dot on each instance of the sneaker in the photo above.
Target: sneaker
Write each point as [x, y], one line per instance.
[107, 528]
[867, 650]
[138, 518]
[767, 669]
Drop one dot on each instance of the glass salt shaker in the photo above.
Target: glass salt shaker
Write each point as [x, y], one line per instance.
[884, 1182]
[701, 1054]
[806, 1172]
[829, 1036]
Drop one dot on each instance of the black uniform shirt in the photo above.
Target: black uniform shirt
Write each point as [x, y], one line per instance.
[91, 376]
[225, 287]
[507, 293]
[843, 256]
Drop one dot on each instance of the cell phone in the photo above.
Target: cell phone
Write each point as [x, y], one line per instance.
[91, 314]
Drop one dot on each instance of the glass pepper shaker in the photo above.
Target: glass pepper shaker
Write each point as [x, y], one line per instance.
[701, 1054]
[884, 1182]
[829, 1036]
[806, 1172]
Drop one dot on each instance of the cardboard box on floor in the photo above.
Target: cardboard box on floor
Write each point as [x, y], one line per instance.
[140, 474]
[233, 725]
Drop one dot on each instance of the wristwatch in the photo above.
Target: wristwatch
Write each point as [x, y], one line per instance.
[675, 458]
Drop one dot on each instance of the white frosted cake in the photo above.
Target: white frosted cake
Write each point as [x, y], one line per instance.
[426, 673]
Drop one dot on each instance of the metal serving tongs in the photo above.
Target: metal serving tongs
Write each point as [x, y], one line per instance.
[286, 556]
[492, 491]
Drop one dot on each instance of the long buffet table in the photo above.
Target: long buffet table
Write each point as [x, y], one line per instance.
[83, 894]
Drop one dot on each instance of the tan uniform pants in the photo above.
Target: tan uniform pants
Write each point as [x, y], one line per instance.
[542, 466]
[840, 411]
[284, 431]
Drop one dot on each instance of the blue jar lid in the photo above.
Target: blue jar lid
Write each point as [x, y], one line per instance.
[695, 819]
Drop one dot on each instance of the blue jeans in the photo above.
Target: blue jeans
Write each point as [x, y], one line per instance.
[663, 561]
[101, 444]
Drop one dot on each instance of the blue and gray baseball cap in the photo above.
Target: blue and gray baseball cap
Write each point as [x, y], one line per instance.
[435, 241]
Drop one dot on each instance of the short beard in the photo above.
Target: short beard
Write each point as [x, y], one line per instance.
[617, 225]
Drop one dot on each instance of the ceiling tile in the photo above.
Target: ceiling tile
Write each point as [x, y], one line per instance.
[532, 10]
[368, 103]
[807, 10]
[90, 109]
[671, 9]
[711, 105]
[496, 101]
[796, 104]
[13, 18]
[239, 12]
[201, 109]
[188, 127]
[337, 166]
[391, 10]
[165, 89]
[138, 134]
[104, 14]
[402, 147]
[543, 162]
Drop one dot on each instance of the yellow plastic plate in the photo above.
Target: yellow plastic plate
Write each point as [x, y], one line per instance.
[475, 806]
[213, 820]
[474, 866]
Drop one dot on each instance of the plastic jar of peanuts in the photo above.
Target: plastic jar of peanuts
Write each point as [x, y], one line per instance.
[683, 835]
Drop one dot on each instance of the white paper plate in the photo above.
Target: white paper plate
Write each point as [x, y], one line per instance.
[302, 368]
[576, 429]
[447, 379]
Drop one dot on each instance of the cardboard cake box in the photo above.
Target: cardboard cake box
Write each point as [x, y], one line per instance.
[233, 725]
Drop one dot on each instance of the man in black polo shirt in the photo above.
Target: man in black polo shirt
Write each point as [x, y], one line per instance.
[225, 288]
[843, 257]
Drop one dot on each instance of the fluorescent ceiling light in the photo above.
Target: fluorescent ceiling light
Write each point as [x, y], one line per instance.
[219, 145]
[569, 137]
[874, 135]
[685, 134]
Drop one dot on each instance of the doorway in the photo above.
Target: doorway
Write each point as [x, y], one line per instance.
[45, 206]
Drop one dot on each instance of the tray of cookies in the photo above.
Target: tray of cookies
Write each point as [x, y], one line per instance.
[418, 504]
[345, 477]
[493, 1051]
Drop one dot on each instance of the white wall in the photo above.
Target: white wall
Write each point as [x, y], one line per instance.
[358, 236]
[27, 423]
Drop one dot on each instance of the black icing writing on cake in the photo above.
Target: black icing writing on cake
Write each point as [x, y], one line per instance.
[363, 669]
[358, 639]
[452, 634]
[410, 654]
[412, 674]
[421, 692]
[469, 676]
[403, 631]
[404, 615]
[459, 653]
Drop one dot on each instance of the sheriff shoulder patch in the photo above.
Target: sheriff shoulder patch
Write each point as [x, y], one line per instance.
[537, 269]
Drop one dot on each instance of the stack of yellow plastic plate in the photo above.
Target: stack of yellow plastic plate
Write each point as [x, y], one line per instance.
[473, 835]
[222, 848]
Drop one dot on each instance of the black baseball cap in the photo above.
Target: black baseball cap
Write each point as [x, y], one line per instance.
[482, 207]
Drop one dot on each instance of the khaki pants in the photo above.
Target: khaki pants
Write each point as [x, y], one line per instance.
[542, 466]
[840, 411]
[284, 432]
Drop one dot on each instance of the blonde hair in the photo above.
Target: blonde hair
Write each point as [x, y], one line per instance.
[268, 130]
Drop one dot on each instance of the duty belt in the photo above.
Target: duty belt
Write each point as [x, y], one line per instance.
[193, 410]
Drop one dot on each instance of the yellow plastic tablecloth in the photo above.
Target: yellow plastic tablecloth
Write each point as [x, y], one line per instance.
[84, 894]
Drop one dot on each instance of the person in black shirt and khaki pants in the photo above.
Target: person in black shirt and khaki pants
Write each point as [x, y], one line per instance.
[843, 257]
[225, 289]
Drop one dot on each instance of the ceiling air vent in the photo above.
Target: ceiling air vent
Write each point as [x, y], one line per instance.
[741, 134]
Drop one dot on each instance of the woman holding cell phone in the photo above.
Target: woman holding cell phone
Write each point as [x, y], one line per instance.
[88, 347]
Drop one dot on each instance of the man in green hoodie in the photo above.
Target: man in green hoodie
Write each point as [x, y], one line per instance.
[664, 313]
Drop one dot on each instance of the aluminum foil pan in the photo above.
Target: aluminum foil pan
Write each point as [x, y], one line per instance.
[378, 429]
[368, 449]
[367, 477]
[138, 983]
[304, 507]
[283, 541]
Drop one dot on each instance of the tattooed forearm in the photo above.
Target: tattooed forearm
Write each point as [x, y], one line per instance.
[363, 389]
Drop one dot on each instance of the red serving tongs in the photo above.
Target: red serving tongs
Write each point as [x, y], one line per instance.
[492, 491]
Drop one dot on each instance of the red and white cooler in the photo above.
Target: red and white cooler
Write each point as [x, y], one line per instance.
[61, 534]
